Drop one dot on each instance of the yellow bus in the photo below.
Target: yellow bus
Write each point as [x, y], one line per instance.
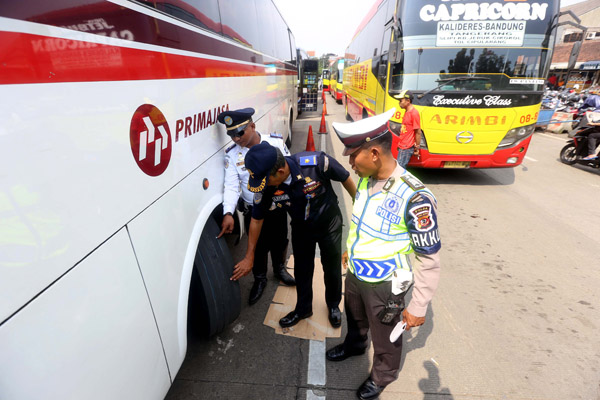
[476, 69]
[336, 87]
[325, 74]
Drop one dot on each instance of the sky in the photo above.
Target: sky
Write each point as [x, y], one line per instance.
[327, 26]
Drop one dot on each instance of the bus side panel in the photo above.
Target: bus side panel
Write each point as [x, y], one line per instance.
[165, 238]
[65, 348]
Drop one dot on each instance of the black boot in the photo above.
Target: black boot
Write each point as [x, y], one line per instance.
[284, 276]
[260, 282]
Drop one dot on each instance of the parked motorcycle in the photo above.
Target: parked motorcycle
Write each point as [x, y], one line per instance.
[577, 147]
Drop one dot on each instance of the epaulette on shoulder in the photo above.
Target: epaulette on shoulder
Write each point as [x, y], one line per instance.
[227, 150]
[413, 182]
[276, 135]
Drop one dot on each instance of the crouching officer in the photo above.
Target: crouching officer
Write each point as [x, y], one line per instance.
[273, 238]
[393, 216]
[301, 184]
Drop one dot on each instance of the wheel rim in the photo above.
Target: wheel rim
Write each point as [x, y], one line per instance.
[569, 154]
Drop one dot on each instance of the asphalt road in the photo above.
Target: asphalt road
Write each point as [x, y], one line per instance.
[516, 314]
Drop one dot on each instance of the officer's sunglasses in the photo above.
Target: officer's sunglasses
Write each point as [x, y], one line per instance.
[239, 134]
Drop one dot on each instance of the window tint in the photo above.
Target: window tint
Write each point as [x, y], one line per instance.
[239, 21]
[202, 13]
[422, 69]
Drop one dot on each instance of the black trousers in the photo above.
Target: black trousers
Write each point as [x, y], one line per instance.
[593, 142]
[273, 239]
[304, 243]
[363, 302]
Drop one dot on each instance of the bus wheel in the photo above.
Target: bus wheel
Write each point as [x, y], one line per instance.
[288, 141]
[348, 117]
[568, 154]
[214, 300]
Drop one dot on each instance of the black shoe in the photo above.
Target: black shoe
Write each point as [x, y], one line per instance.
[257, 290]
[369, 390]
[338, 353]
[292, 319]
[284, 276]
[335, 317]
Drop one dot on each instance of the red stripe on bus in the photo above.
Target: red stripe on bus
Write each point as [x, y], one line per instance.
[26, 58]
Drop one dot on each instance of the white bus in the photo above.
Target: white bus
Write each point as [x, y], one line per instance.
[111, 183]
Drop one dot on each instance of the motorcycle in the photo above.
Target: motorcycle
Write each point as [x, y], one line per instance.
[577, 147]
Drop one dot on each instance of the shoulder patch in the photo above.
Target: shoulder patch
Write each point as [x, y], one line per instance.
[227, 150]
[308, 160]
[276, 135]
[413, 182]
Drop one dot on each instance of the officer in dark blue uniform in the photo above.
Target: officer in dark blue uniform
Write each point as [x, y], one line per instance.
[301, 184]
[273, 239]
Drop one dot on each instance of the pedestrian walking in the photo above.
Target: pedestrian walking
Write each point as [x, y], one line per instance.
[273, 237]
[301, 184]
[394, 215]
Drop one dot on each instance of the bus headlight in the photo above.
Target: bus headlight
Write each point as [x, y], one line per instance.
[516, 134]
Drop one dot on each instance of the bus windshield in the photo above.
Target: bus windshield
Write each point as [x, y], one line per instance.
[507, 43]
[503, 68]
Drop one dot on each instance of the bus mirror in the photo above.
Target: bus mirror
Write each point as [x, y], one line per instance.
[382, 69]
[574, 55]
[396, 52]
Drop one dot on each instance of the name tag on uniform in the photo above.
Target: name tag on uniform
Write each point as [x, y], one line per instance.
[308, 160]
[385, 214]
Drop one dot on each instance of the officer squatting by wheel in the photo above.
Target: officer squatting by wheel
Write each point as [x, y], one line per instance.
[273, 238]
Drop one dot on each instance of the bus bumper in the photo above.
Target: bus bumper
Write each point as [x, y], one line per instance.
[505, 158]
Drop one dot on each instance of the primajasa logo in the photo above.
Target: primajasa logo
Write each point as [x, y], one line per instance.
[483, 11]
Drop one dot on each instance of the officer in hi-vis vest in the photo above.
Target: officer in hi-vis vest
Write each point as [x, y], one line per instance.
[393, 216]
[273, 238]
[301, 184]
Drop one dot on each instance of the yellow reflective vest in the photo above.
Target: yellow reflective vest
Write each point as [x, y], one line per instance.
[379, 242]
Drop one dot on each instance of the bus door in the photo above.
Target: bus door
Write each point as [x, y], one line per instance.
[380, 69]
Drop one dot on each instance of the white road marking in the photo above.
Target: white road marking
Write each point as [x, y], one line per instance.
[311, 396]
[317, 374]
[530, 159]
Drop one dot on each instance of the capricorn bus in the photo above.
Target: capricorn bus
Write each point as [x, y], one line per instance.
[112, 181]
[477, 70]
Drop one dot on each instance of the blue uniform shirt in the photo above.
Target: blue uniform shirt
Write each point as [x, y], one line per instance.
[309, 196]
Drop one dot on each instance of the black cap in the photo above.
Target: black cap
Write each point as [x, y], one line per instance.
[405, 94]
[236, 121]
[259, 161]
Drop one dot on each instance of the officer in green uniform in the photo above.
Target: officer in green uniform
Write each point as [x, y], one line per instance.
[393, 216]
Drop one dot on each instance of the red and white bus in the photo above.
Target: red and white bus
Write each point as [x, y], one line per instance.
[112, 179]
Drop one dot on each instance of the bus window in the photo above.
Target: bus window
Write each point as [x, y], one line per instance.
[240, 22]
[202, 13]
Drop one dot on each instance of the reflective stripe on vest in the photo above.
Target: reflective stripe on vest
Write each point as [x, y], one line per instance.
[378, 242]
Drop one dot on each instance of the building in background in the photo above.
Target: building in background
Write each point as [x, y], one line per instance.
[586, 72]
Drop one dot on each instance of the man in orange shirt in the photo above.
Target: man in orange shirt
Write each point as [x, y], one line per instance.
[410, 134]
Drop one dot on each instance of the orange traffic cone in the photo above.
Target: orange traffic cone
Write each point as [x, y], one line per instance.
[324, 107]
[310, 142]
[323, 127]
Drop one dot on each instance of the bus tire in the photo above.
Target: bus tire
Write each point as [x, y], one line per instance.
[215, 301]
[568, 154]
[288, 141]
